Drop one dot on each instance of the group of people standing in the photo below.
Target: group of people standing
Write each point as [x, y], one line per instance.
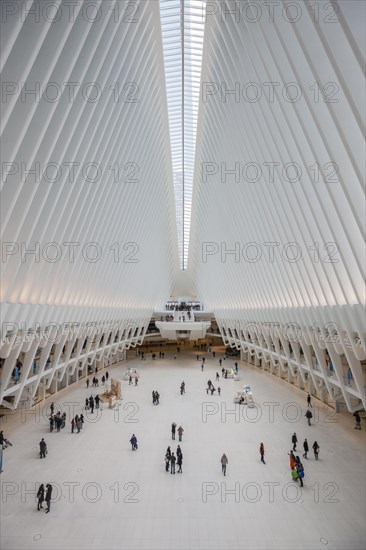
[172, 459]
[211, 388]
[44, 495]
[297, 469]
[77, 423]
[91, 403]
[180, 431]
[57, 420]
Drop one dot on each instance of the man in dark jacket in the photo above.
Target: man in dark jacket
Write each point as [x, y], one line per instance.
[48, 496]
[294, 441]
[42, 448]
[309, 416]
[306, 448]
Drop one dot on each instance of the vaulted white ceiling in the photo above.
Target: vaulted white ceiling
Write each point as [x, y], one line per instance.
[276, 170]
[87, 171]
[280, 171]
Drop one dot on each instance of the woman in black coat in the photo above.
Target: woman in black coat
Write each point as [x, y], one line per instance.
[40, 496]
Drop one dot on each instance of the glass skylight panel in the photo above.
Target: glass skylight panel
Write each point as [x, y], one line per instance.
[182, 23]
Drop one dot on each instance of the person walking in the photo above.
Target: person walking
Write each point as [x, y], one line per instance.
[106, 375]
[180, 432]
[87, 383]
[86, 404]
[130, 381]
[174, 426]
[294, 441]
[42, 448]
[306, 448]
[133, 442]
[309, 400]
[220, 362]
[52, 407]
[103, 379]
[153, 397]
[79, 424]
[224, 463]
[357, 420]
[217, 376]
[136, 381]
[202, 366]
[40, 497]
[309, 416]
[72, 425]
[52, 423]
[218, 390]
[91, 404]
[316, 450]
[97, 400]
[48, 497]
[172, 463]
[261, 452]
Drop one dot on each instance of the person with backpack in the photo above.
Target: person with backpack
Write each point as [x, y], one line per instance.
[309, 416]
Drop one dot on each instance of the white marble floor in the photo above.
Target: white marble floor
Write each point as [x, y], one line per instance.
[107, 496]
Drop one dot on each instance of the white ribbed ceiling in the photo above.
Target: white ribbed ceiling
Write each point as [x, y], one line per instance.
[295, 94]
[101, 100]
